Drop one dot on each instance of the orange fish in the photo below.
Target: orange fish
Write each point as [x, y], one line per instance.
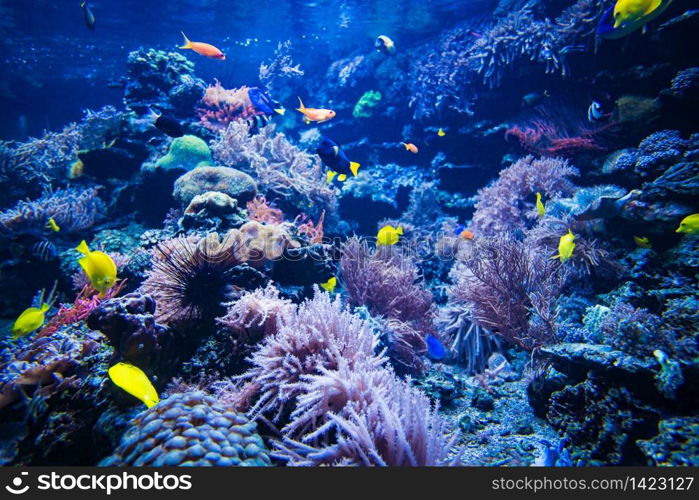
[315, 114]
[467, 234]
[203, 49]
[410, 147]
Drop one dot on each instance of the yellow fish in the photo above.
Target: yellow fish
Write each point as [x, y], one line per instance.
[629, 11]
[441, 132]
[31, 319]
[689, 225]
[566, 246]
[642, 242]
[132, 379]
[51, 224]
[329, 286]
[389, 235]
[99, 267]
[540, 205]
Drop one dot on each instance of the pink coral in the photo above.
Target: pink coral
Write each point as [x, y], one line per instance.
[256, 315]
[321, 335]
[364, 417]
[260, 210]
[220, 106]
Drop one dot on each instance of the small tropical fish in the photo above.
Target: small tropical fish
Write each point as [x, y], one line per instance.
[540, 205]
[594, 112]
[170, 126]
[689, 225]
[629, 11]
[318, 115]
[77, 169]
[533, 98]
[336, 160]
[566, 245]
[203, 49]
[31, 319]
[642, 242]
[264, 103]
[51, 224]
[435, 349]
[329, 286]
[88, 16]
[467, 234]
[385, 44]
[441, 132]
[626, 16]
[99, 268]
[410, 147]
[132, 379]
[389, 235]
[44, 250]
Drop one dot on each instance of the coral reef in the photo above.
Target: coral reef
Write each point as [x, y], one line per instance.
[234, 183]
[190, 429]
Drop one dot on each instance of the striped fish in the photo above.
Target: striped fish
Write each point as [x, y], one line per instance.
[44, 250]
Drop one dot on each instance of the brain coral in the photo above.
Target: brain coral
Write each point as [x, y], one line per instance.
[236, 184]
[190, 429]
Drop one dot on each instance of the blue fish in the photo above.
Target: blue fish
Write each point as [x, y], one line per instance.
[264, 103]
[435, 349]
[336, 160]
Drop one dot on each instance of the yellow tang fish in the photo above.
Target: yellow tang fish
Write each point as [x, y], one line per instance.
[132, 379]
[99, 267]
[51, 224]
[689, 225]
[389, 235]
[642, 242]
[629, 11]
[540, 205]
[31, 319]
[566, 246]
[329, 286]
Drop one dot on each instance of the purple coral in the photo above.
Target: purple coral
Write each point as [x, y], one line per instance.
[510, 291]
[321, 335]
[500, 206]
[364, 417]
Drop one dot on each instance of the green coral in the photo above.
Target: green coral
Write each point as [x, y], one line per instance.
[186, 152]
[370, 99]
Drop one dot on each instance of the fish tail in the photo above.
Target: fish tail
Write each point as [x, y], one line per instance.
[354, 167]
[301, 107]
[83, 248]
[399, 230]
[187, 43]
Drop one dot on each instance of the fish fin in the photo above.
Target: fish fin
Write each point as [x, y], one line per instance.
[301, 106]
[280, 111]
[342, 177]
[87, 266]
[651, 8]
[399, 230]
[82, 5]
[153, 114]
[187, 43]
[644, 30]
[354, 167]
[336, 149]
[307, 120]
[83, 248]
[329, 176]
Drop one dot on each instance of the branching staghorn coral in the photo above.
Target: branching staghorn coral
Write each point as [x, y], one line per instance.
[278, 167]
[501, 206]
[73, 210]
[510, 290]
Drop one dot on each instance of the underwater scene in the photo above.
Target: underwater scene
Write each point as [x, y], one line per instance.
[349, 232]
